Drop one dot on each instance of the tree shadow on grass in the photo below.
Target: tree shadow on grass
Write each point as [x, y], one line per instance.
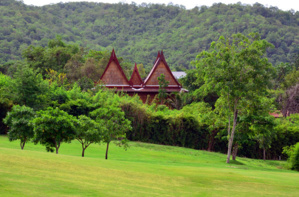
[235, 162]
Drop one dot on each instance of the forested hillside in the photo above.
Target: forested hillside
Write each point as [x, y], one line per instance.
[137, 32]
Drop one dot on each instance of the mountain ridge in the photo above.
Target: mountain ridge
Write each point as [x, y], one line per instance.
[138, 32]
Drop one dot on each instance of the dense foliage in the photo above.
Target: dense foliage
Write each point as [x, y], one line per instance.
[196, 125]
[294, 159]
[65, 48]
[139, 31]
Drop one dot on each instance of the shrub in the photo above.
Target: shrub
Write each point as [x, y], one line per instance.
[294, 159]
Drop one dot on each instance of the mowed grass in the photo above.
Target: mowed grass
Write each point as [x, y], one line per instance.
[142, 170]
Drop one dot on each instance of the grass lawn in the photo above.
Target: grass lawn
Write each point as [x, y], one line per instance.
[142, 170]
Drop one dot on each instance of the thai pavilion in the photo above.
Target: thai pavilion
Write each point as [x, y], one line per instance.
[113, 77]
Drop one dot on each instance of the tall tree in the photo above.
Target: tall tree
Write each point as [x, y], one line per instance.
[236, 68]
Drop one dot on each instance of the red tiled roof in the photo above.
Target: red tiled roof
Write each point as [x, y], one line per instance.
[275, 115]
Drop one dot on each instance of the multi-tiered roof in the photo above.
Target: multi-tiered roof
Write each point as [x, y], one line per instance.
[114, 77]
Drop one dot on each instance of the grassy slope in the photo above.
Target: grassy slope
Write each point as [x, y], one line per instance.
[142, 170]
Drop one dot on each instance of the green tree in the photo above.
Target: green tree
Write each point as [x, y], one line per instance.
[175, 100]
[238, 71]
[54, 56]
[30, 88]
[163, 84]
[54, 77]
[86, 83]
[18, 121]
[208, 117]
[77, 107]
[52, 127]
[291, 79]
[7, 98]
[294, 158]
[88, 131]
[263, 131]
[115, 122]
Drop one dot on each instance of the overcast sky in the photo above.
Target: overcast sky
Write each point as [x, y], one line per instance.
[281, 4]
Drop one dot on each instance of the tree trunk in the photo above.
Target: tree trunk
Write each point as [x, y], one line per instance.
[106, 156]
[83, 150]
[57, 146]
[235, 151]
[22, 144]
[231, 139]
[264, 153]
[211, 140]
[228, 129]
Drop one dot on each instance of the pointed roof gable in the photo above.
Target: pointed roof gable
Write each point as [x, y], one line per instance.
[161, 67]
[158, 56]
[114, 74]
[135, 78]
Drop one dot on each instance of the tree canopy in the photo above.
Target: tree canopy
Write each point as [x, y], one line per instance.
[238, 71]
[52, 127]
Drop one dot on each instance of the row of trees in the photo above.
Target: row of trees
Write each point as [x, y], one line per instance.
[51, 114]
[53, 126]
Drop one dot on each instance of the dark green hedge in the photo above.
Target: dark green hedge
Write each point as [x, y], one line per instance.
[176, 130]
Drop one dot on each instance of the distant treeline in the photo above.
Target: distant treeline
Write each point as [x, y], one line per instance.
[139, 31]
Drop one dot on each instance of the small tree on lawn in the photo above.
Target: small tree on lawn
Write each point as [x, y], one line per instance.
[52, 127]
[88, 131]
[18, 121]
[115, 122]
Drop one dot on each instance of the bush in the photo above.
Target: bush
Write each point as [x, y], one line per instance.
[294, 159]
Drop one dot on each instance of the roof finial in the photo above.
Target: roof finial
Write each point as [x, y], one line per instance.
[158, 56]
[113, 53]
